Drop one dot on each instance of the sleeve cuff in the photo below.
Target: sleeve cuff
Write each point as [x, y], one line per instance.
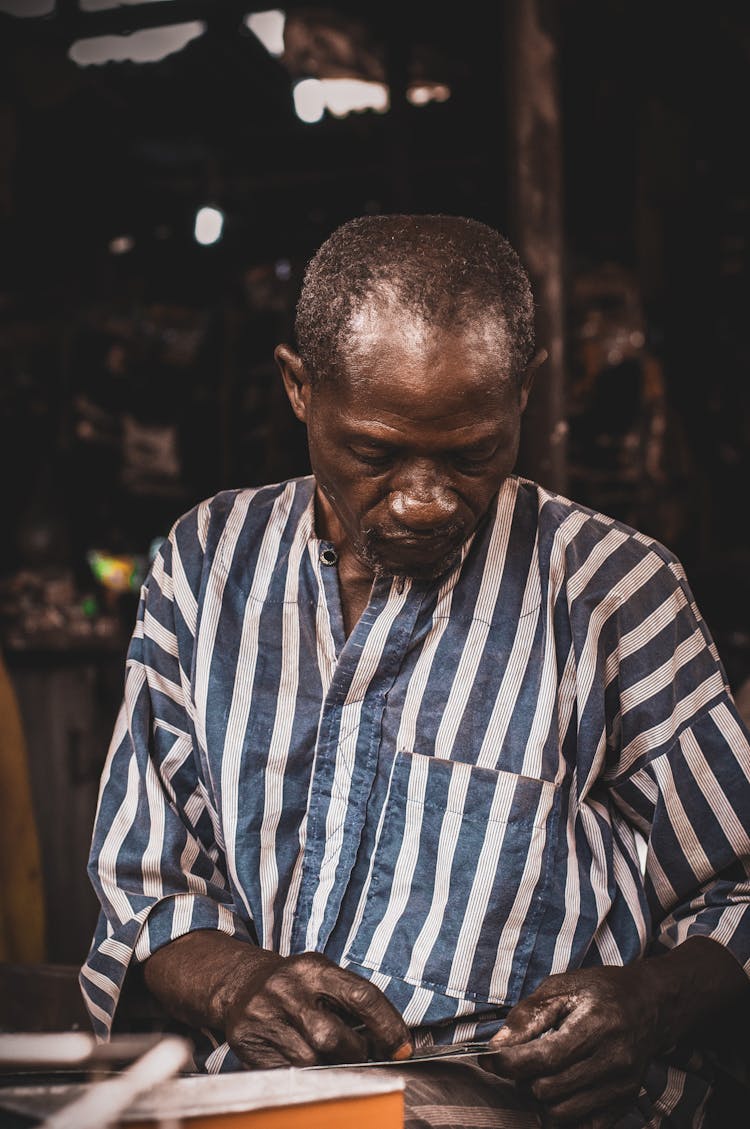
[729, 927]
[103, 975]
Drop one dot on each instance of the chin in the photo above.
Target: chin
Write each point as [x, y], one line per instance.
[384, 565]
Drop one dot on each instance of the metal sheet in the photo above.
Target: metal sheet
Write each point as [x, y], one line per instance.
[421, 1054]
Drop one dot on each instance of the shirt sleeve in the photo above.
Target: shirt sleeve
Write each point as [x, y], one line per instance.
[679, 767]
[156, 859]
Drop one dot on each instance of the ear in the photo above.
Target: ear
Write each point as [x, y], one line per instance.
[296, 380]
[528, 377]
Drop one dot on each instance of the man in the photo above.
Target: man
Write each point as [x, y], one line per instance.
[390, 734]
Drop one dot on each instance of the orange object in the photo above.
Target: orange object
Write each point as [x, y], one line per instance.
[329, 1098]
[404, 1051]
[371, 1111]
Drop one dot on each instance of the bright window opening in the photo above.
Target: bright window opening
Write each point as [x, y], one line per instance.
[340, 96]
[269, 28]
[147, 46]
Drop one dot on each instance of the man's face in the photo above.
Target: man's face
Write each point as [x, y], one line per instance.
[411, 443]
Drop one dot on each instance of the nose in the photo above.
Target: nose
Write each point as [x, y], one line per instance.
[421, 502]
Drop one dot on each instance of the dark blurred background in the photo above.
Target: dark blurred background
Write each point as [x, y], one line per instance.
[607, 138]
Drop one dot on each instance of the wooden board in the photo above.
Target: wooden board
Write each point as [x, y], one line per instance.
[374, 1111]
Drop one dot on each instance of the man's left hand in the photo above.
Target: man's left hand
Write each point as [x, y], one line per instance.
[581, 1043]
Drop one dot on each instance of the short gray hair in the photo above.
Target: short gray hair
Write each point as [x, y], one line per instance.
[447, 270]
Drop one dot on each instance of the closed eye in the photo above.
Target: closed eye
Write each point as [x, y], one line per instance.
[466, 462]
[469, 462]
[372, 458]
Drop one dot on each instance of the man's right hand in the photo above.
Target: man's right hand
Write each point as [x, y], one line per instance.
[306, 1010]
[300, 1010]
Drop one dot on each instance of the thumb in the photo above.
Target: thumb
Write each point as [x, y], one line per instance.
[529, 1019]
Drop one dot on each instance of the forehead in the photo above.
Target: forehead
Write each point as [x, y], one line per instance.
[382, 319]
[396, 353]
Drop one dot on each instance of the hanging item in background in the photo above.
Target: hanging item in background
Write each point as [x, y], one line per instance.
[44, 609]
[123, 573]
[150, 459]
[627, 456]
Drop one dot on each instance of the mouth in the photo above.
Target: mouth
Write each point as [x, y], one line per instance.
[414, 553]
[427, 537]
[445, 537]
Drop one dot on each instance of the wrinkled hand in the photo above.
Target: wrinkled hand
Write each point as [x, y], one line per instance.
[581, 1043]
[304, 1010]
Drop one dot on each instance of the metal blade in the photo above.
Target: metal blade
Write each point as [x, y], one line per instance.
[421, 1054]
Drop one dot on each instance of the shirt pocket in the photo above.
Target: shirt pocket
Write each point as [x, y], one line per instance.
[457, 878]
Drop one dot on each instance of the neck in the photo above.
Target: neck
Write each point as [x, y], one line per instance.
[355, 577]
[329, 528]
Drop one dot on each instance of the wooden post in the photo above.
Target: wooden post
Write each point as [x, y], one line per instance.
[536, 218]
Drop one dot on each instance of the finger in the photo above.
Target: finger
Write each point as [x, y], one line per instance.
[531, 1018]
[576, 1039]
[368, 1005]
[268, 1049]
[605, 1103]
[607, 1120]
[331, 1037]
[590, 1071]
[548, 1055]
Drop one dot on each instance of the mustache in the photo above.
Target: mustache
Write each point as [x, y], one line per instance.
[388, 535]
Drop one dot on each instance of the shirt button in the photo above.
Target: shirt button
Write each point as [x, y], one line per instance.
[328, 556]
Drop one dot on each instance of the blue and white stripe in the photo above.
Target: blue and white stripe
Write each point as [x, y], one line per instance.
[448, 801]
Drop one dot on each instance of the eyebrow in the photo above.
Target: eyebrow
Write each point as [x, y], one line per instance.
[477, 446]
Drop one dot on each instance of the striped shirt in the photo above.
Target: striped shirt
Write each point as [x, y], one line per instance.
[529, 765]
